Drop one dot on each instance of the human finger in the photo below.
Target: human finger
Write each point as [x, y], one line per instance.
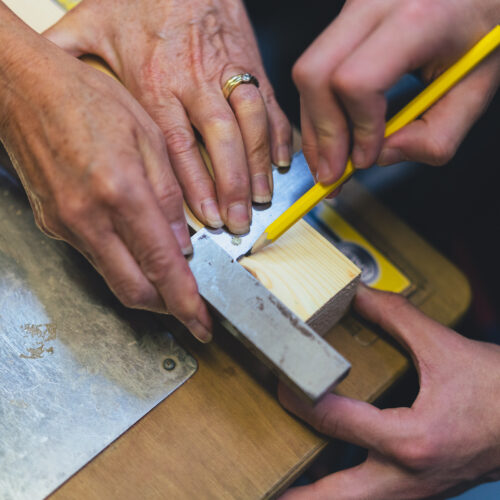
[280, 128]
[74, 32]
[312, 74]
[348, 419]
[251, 114]
[374, 480]
[364, 76]
[107, 252]
[434, 138]
[309, 142]
[184, 154]
[327, 124]
[418, 333]
[214, 119]
[150, 239]
[164, 184]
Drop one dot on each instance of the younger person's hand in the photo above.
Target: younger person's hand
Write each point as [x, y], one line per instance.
[445, 443]
[343, 76]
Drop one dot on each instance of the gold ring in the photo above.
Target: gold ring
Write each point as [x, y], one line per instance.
[236, 80]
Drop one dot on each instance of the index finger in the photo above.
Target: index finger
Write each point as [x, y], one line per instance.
[378, 63]
[148, 235]
[348, 419]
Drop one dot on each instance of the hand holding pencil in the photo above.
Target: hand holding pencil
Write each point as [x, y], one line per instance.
[427, 98]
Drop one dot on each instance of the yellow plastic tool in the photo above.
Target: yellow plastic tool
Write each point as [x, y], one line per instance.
[437, 89]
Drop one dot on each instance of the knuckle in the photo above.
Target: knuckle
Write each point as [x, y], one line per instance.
[179, 140]
[72, 211]
[418, 11]
[109, 189]
[185, 306]
[418, 453]
[156, 263]
[221, 124]
[301, 72]
[170, 194]
[440, 151]
[325, 424]
[247, 96]
[135, 295]
[345, 82]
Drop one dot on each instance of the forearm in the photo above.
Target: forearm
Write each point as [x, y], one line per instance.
[23, 53]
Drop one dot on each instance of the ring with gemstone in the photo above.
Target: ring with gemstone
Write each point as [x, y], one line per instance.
[236, 80]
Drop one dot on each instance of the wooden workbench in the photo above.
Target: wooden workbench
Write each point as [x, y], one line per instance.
[223, 434]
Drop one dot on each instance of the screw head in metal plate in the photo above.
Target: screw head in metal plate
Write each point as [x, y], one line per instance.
[169, 364]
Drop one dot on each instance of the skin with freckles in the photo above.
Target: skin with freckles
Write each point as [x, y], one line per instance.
[448, 441]
[96, 171]
[343, 75]
[175, 56]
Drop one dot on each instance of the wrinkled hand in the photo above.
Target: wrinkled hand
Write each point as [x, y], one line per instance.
[96, 171]
[446, 442]
[343, 75]
[175, 56]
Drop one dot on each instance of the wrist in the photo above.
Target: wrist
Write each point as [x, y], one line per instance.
[21, 59]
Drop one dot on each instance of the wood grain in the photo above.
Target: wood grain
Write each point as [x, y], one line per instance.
[308, 274]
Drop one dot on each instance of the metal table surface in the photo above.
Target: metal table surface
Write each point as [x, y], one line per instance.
[76, 368]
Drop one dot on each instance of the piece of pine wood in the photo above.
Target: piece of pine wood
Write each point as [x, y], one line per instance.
[308, 274]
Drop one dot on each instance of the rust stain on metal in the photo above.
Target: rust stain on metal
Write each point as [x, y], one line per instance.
[286, 313]
[40, 335]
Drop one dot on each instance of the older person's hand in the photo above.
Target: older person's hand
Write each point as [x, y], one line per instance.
[175, 56]
[343, 75]
[96, 171]
[445, 443]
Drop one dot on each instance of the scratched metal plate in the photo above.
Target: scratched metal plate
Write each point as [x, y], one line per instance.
[76, 368]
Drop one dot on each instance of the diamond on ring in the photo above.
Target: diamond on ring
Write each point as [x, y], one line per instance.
[236, 80]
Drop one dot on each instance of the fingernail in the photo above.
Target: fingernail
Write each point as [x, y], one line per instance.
[358, 156]
[181, 234]
[199, 331]
[261, 191]
[238, 219]
[283, 155]
[323, 174]
[211, 212]
[389, 157]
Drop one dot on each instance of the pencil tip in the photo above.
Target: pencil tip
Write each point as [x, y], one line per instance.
[261, 243]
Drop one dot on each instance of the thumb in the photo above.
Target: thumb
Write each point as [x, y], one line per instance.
[73, 32]
[436, 136]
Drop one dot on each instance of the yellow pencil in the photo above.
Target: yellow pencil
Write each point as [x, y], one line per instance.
[410, 112]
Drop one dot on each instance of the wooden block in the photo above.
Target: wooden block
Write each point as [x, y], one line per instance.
[308, 274]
